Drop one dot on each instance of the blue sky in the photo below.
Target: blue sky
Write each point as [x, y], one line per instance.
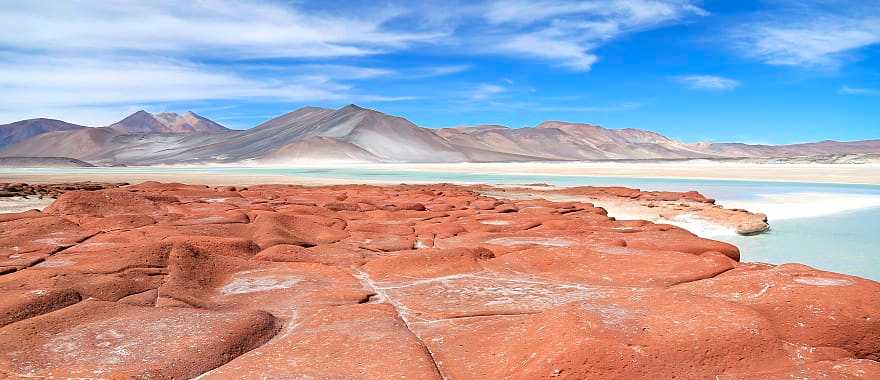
[772, 71]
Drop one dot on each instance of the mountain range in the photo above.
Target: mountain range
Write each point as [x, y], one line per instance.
[353, 133]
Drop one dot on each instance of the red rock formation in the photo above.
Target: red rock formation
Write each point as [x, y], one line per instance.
[663, 206]
[435, 281]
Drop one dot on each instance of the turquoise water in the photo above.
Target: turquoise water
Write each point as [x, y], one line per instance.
[847, 242]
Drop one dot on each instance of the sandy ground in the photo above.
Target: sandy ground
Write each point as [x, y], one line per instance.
[19, 204]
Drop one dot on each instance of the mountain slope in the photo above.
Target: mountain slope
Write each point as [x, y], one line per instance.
[165, 122]
[80, 144]
[320, 149]
[352, 133]
[107, 146]
[821, 148]
[18, 131]
[554, 140]
[42, 162]
[383, 137]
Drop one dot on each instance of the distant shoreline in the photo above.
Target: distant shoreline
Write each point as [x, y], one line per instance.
[854, 174]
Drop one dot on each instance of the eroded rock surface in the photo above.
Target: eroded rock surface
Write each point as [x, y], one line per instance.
[684, 209]
[165, 281]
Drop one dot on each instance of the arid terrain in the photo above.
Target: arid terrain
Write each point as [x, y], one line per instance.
[356, 134]
[164, 280]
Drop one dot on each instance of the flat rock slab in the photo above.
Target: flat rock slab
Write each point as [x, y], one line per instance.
[359, 341]
[621, 335]
[96, 339]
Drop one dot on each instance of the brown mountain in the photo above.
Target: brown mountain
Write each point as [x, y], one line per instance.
[555, 140]
[22, 130]
[166, 122]
[821, 148]
[79, 144]
[353, 133]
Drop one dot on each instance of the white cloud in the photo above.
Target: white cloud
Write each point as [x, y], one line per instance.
[435, 71]
[97, 56]
[548, 45]
[105, 80]
[847, 90]
[486, 90]
[199, 28]
[630, 12]
[340, 72]
[566, 33]
[708, 82]
[808, 35]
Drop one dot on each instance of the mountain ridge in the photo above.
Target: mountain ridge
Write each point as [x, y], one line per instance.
[354, 133]
[165, 122]
[18, 131]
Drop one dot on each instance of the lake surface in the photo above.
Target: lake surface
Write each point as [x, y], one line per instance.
[846, 242]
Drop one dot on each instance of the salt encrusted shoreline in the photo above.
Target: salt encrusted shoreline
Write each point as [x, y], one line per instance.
[175, 281]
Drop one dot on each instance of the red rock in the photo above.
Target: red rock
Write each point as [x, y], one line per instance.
[382, 242]
[807, 306]
[427, 263]
[485, 204]
[382, 228]
[357, 341]
[274, 228]
[842, 369]
[679, 241]
[28, 241]
[147, 298]
[214, 281]
[654, 334]
[24, 304]
[362, 280]
[321, 254]
[108, 202]
[621, 266]
[119, 222]
[97, 339]
[283, 253]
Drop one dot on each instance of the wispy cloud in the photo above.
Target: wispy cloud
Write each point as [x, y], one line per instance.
[94, 91]
[627, 12]
[105, 80]
[100, 55]
[708, 82]
[847, 90]
[485, 91]
[566, 33]
[808, 35]
[435, 71]
[200, 28]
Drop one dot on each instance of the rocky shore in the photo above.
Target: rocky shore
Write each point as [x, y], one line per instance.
[164, 280]
[685, 209]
